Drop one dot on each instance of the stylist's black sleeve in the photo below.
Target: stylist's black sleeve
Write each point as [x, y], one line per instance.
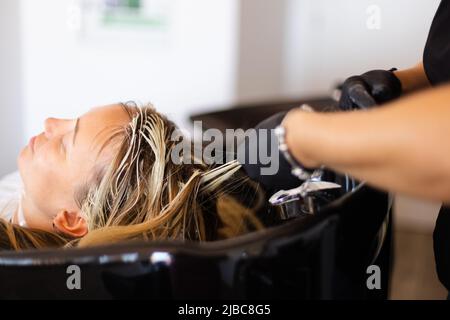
[436, 62]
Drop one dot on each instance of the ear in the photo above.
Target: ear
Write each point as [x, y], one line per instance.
[71, 224]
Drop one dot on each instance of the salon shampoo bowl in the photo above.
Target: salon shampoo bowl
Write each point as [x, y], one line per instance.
[321, 256]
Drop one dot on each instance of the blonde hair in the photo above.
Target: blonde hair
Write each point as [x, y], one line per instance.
[14, 237]
[141, 194]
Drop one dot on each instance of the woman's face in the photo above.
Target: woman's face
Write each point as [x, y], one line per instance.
[61, 159]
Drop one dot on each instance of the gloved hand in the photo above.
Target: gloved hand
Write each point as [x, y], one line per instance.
[283, 179]
[369, 89]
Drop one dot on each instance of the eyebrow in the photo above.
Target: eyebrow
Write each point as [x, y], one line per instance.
[75, 131]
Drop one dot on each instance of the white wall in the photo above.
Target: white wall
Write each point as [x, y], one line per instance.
[328, 40]
[193, 68]
[10, 86]
[215, 53]
[305, 47]
[261, 47]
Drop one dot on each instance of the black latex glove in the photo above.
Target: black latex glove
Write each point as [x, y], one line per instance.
[369, 89]
[271, 183]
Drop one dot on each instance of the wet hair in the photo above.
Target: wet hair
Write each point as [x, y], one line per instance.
[140, 193]
[13, 237]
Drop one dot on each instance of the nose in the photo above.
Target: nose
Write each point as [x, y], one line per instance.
[55, 127]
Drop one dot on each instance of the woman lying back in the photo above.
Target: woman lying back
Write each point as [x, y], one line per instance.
[108, 176]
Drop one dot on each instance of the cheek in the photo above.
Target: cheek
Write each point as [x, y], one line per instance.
[45, 180]
[39, 171]
[36, 174]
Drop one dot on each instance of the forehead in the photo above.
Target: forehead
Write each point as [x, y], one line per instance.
[99, 124]
[110, 113]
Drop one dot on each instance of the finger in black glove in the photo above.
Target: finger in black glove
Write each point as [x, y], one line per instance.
[283, 179]
[373, 87]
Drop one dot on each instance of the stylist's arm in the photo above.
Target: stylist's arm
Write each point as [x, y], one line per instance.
[402, 147]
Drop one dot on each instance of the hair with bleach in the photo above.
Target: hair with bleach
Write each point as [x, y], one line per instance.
[141, 194]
